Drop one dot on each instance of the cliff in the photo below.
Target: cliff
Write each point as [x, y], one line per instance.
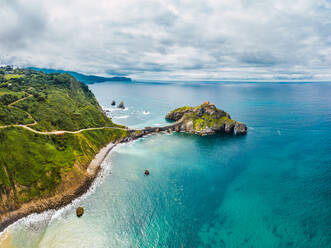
[51, 127]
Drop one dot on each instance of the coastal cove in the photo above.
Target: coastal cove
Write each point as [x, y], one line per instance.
[219, 191]
[221, 123]
[165, 124]
[47, 160]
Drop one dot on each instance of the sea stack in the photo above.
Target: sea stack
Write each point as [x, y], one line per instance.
[113, 103]
[121, 105]
[146, 172]
[79, 211]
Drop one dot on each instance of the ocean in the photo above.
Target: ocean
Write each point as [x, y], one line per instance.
[270, 188]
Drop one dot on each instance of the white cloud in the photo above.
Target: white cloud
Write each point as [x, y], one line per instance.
[171, 39]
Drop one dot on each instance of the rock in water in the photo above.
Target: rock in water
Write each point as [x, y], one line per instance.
[121, 105]
[113, 103]
[146, 172]
[79, 211]
[240, 128]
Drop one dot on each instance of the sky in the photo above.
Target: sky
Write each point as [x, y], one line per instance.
[171, 39]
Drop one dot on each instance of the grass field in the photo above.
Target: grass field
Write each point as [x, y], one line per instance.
[10, 76]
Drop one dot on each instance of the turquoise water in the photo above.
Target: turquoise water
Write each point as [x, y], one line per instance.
[270, 188]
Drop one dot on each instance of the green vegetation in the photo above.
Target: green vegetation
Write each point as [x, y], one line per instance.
[10, 76]
[88, 79]
[205, 119]
[5, 91]
[59, 109]
[33, 166]
[10, 116]
[36, 163]
[182, 109]
[58, 102]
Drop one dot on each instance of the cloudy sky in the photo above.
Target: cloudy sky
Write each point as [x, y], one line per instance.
[171, 39]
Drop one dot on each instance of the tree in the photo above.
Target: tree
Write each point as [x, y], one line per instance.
[8, 98]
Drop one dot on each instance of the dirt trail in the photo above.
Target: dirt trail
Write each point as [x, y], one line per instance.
[27, 126]
[61, 131]
[13, 103]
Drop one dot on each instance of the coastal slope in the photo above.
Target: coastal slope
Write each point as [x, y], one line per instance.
[51, 127]
[54, 135]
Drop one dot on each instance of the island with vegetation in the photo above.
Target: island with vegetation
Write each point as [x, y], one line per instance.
[54, 135]
[205, 119]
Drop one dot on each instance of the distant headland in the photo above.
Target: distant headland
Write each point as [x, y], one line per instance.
[87, 79]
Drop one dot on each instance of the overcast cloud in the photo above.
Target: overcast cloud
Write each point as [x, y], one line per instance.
[171, 39]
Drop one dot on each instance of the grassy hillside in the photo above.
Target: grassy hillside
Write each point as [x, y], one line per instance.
[13, 116]
[34, 166]
[57, 102]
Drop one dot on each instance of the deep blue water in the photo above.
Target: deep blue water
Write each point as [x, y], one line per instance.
[270, 188]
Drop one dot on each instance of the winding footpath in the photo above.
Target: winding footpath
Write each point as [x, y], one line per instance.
[13, 103]
[75, 190]
[57, 132]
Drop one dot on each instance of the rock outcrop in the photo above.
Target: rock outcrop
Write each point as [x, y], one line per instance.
[121, 105]
[205, 119]
[177, 114]
[113, 103]
[79, 211]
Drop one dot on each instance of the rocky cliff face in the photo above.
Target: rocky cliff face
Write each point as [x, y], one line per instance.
[205, 119]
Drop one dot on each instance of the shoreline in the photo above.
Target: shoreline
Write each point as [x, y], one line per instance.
[66, 197]
[62, 199]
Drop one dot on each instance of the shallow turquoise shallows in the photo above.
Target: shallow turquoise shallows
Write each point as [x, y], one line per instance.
[270, 188]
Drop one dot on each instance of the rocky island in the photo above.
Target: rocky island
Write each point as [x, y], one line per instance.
[54, 136]
[202, 120]
[205, 119]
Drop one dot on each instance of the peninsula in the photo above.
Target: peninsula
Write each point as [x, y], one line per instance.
[54, 135]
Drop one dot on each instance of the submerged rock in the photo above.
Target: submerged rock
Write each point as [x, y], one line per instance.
[146, 172]
[205, 119]
[79, 211]
[113, 103]
[121, 105]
